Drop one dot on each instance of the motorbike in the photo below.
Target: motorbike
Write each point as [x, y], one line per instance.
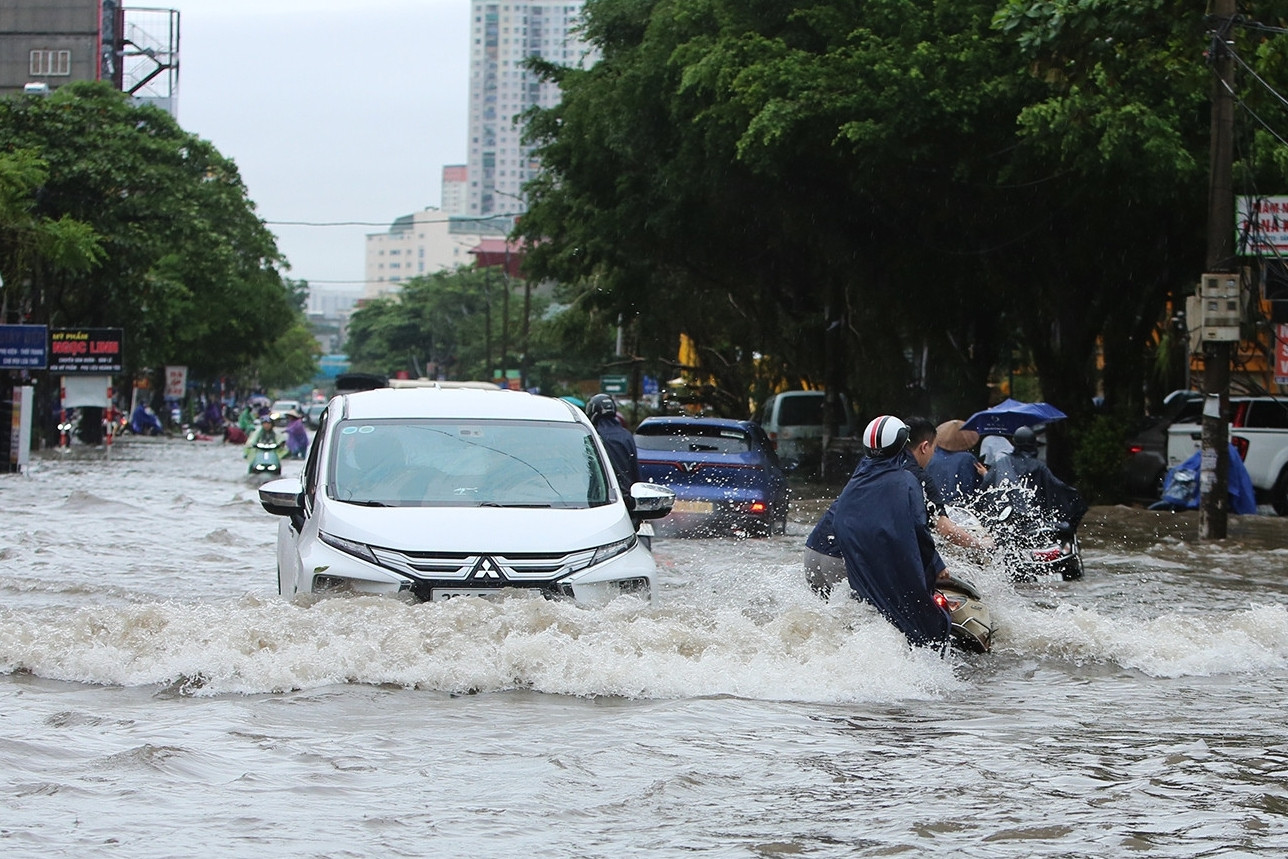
[971, 622]
[266, 458]
[1039, 551]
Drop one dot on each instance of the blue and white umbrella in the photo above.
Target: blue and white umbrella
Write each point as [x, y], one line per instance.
[1009, 415]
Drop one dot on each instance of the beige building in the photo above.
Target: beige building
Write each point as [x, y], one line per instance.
[417, 244]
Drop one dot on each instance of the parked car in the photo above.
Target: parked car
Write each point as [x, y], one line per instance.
[446, 492]
[1259, 433]
[313, 414]
[1146, 465]
[280, 408]
[725, 475]
[794, 422]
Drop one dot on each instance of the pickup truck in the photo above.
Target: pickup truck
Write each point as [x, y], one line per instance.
[1259, 432]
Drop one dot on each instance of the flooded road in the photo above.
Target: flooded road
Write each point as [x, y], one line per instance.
[158, 698]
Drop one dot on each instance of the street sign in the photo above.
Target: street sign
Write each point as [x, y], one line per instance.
[22, 347]
[612, 384]
[85, 350]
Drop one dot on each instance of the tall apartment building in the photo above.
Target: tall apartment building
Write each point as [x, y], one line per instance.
[456, 189]
[503, 35]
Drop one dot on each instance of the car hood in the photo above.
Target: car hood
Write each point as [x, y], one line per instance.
[476, 529]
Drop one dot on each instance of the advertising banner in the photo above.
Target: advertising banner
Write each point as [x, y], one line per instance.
[22, 347]
[85, 391]
[176, 380]
[85, 350]
[1281, 354]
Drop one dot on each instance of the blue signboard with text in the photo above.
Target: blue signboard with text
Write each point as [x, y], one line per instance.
[22, 347]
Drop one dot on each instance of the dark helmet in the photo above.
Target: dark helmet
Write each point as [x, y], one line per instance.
[885, 436]
[601, 406]
[1025, 439]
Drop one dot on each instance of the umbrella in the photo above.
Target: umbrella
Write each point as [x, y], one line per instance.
[576, 401]
[1009, 415]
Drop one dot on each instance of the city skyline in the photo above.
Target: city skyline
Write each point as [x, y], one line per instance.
[326, 135]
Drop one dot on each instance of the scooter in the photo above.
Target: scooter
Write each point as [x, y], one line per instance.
[972, 624]
[267, 458]
[1039, 552]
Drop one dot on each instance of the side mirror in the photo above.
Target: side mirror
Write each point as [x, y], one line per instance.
[282, 497]
[651, 501]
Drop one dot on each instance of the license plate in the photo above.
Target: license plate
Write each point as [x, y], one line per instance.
[440, 594]
[681, 506]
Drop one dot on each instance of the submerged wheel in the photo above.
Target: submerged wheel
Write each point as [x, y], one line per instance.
[1279, 495]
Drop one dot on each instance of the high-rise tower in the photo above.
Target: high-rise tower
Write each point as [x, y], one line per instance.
[503, 35]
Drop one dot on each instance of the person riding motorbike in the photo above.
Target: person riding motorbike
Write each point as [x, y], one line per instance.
[880, 527]
[618, 441]
[1043, 497]
[263, 433]
[144, 421]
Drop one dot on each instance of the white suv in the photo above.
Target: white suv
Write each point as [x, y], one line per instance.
[445, 492]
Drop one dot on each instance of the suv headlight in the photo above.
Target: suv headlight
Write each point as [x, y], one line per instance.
[349, 547]
[612, 550]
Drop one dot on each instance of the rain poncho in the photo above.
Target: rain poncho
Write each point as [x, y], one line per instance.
[1181, 489]
[955, 475]
[882, 531]
[1051, 498]
[622, 453]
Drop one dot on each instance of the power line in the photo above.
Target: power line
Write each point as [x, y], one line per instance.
[393, 224]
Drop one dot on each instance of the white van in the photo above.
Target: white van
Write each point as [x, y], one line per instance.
[794, 422]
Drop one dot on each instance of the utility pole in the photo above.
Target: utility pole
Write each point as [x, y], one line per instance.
[1215, 457]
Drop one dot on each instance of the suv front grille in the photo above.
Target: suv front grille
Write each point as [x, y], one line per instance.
[520, 569]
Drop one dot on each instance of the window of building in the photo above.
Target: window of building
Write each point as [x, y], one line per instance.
[51, 62]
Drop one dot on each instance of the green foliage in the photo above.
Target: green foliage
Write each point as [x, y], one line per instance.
[1098, 457]
[291, 359]
[28, 239]
[183, 263]
[879, 196]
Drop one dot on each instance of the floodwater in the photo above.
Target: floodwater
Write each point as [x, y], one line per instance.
[157, 697]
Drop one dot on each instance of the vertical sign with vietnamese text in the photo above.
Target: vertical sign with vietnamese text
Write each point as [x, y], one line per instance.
[176, 380]
[85, 350]
[1281, 354]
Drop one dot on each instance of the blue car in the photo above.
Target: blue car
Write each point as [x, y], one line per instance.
[725, 475]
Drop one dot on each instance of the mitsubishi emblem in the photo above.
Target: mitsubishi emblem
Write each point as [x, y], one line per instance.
[486, 568]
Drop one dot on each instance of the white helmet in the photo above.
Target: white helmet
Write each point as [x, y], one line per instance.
[885, 436]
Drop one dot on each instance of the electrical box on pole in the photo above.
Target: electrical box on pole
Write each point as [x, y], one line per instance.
[1216, 311]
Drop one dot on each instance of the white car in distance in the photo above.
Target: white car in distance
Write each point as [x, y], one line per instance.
[445, 492]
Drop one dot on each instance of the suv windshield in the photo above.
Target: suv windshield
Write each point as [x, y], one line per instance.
[465, 463]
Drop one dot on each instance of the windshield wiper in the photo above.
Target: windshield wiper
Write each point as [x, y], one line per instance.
[509, 506]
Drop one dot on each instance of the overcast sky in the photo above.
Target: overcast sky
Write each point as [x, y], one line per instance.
[334, 110]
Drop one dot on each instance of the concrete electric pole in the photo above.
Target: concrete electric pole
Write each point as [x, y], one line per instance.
[1215, 459]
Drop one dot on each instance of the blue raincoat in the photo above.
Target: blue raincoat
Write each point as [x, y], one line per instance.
[881, 528]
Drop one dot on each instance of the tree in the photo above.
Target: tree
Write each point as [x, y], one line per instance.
[186, 267]
[28, 240]
[908, 189]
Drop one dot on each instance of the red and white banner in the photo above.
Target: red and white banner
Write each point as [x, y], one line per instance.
[1281, 354]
